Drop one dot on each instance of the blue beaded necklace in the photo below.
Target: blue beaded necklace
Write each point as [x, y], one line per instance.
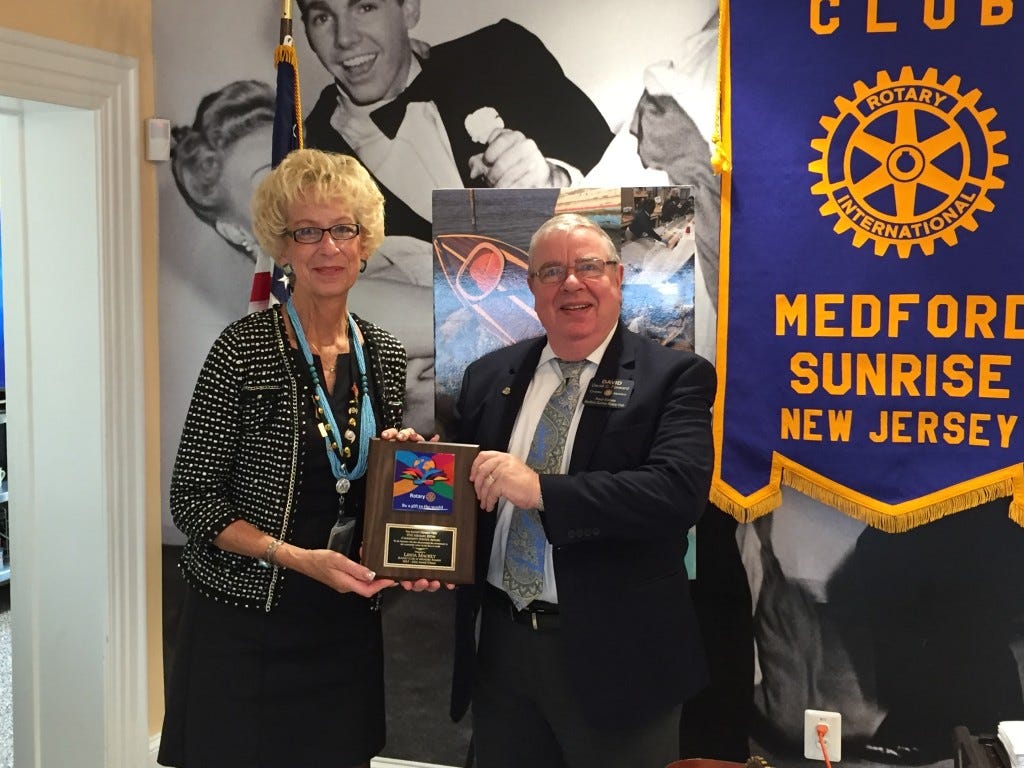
[328, 425]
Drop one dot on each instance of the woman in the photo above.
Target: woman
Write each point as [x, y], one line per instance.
[279, 658]
[218, 159]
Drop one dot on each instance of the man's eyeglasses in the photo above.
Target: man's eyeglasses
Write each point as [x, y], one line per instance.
[584, 269]
[311, 235]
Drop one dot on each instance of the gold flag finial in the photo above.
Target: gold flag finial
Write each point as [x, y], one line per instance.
[285, 37]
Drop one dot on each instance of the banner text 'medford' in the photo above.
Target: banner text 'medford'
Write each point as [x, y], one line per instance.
[865, 315]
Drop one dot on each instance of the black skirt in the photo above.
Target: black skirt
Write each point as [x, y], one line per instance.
[302, 685]
[253, 689]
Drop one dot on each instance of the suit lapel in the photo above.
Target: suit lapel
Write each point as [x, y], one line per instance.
[454, 105]
[618, 363]
[508, 390]
[513, 386]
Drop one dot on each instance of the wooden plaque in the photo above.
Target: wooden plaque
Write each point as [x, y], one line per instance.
[420, 511]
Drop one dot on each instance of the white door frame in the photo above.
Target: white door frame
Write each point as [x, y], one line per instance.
[104, 648]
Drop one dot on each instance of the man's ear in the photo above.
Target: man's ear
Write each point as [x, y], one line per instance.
[411, 12]
[531, 283]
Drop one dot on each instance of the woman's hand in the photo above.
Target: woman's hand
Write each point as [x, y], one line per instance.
[333, 569]
[406, 434]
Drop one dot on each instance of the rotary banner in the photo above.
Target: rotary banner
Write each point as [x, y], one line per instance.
[871, 310]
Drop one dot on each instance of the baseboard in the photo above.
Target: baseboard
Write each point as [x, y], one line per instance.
[377, 762]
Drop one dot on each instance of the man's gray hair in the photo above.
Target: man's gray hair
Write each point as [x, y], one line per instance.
[567, 222]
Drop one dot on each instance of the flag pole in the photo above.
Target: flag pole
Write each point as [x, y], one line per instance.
[269, 285]
[286, 21]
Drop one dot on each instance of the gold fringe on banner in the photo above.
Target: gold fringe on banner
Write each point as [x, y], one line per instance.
[900, 523]
[723, 125]
[746, 513]
[1008, 482]
[286, 53]
[721, 152]
[1017, 512]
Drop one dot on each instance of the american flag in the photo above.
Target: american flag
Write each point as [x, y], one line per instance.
[269, 283]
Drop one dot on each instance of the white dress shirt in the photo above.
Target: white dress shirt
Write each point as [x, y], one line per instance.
[413, 164]
[545, 381]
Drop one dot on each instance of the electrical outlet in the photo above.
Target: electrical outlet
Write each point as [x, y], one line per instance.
[833, 739]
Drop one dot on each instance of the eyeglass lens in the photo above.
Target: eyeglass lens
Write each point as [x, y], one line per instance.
[584, 269]
[309, 235]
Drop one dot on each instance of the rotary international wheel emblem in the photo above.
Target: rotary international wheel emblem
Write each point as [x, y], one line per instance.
[907, 162]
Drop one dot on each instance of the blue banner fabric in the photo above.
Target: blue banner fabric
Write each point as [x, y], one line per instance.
[871, 311]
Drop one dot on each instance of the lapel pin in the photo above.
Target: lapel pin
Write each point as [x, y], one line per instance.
[506, 391]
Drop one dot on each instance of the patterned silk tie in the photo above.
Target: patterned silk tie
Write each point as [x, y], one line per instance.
[523, 578]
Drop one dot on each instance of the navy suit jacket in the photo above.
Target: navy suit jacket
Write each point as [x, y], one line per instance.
[503, 66]
[638, 478]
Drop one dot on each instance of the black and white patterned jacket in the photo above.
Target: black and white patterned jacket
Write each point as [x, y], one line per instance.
[239, 454]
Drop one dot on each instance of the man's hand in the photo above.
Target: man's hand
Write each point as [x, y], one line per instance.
[406, 435]
[513, 160]
[495, 474]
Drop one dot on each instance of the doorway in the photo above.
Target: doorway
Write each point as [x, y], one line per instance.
[72, 313]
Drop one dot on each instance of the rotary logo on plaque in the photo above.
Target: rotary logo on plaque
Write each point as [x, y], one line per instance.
[423, 481]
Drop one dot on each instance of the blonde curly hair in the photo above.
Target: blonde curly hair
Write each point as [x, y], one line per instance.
[317, 176]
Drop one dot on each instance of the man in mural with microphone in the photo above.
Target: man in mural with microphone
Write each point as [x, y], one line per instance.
[489, 109]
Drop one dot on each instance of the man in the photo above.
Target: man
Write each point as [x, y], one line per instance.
[594, 669]
[492, 108]
[642, 224]
[672, 208]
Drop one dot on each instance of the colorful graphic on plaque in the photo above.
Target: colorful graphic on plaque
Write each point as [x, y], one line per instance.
[423, 481]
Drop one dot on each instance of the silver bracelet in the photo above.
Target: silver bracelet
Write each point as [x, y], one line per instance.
[269, 559]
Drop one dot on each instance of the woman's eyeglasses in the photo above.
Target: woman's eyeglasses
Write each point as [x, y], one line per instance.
[311, 235]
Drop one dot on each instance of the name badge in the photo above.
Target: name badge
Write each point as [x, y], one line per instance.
[608, 393]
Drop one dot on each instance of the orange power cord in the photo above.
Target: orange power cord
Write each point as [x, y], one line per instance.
[822, 730]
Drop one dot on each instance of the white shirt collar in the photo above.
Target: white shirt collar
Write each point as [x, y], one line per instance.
[364, 110]
[594, 357]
